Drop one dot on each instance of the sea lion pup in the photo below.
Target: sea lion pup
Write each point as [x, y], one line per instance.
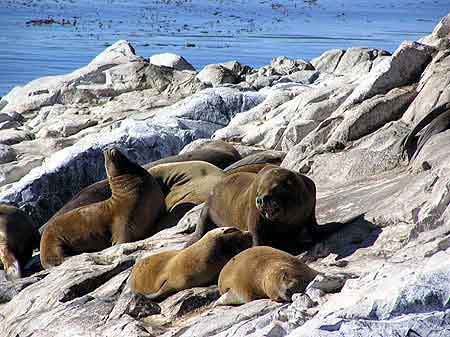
[162, 274]
[217, 152]
[263, 272]
[128, 215]
[18, 236]
[276, 205]
[436, 121]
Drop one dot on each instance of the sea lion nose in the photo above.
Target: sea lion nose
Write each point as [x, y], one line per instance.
[259, 201]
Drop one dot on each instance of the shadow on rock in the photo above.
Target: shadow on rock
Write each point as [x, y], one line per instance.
[357, 234]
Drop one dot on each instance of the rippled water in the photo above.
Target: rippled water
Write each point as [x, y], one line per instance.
[203, 31]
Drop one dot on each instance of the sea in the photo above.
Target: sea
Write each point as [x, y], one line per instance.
[51, 37]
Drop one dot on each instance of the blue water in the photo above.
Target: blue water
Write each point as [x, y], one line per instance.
[204, 32]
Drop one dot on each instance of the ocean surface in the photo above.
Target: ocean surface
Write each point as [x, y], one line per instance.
[203, 31]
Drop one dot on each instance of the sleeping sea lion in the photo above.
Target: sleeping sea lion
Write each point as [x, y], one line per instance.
[276, 205]
[18, 237]
[159, 275]
[128, 215]
[263, 272]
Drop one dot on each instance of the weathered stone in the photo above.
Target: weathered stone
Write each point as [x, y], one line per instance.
[171, 60]
[11, 136]
[216, 74]
[328, 61]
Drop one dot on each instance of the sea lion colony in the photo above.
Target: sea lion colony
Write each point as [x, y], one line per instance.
[252, 203]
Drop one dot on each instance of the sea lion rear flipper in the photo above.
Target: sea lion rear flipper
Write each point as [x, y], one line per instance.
[10, 263]
[204, 225]
[229, 298]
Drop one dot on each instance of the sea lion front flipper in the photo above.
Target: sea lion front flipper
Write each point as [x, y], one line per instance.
[229, 298]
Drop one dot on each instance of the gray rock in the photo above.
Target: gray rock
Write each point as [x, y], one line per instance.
[328, 61]
[7, 154]
[172, 61]
[11, 136]
[216, 74]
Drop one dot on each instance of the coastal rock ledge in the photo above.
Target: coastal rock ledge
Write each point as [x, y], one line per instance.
[339, 118]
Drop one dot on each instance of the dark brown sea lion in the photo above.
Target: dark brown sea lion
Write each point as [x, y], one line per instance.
[218, 153]
[128, 215]
[436, 121]
[263, 272]
[162, 274]
[18, 236]
[276, 205]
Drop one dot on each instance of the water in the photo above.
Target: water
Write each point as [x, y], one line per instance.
[203, 31]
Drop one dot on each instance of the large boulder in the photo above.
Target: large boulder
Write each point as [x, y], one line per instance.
[172, 61]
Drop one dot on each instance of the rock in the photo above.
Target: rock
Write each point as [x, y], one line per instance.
[67, 127]
[7, 154]
[12, 136]
[187, 301]
[302, 76]
[328, 61]
[433, 89]
[439, 37]
[404, 67]
[171, 60]
[284, 66]
[216, 74]
[239, 70]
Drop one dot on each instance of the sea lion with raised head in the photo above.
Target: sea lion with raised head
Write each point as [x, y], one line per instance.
[162, 274]
[217, 152]
[128, 215]
[276, 205]
[263, 272]
[18, 237]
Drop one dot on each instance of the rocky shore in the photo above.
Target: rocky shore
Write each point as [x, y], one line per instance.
[339, 118]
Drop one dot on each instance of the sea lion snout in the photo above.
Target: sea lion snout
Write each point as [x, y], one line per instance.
[268, 206]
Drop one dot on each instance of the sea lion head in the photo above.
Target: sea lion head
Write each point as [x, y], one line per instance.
[291, 282]
[278, 191]
[117, 164]
[228, 241]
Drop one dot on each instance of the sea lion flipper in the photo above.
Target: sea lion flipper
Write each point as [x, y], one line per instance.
[10, 263]
[229, 298]
[204, 224]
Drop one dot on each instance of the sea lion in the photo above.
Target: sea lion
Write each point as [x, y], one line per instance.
[218, 153]
[263, 272]
[436, 121]
[185, 185]
[159, 275]
[256, 161]
[276, 205]
[18, 237]
[128, 215]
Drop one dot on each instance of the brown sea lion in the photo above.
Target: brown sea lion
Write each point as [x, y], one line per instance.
[18, 236]
[217, 152]
[162, 274]
[276, 205]
[128, 215]
[256, 161]
[185, 185]
[263, 272]
[436, 121]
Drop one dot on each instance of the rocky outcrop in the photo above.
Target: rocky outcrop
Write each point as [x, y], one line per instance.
[340, 118]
